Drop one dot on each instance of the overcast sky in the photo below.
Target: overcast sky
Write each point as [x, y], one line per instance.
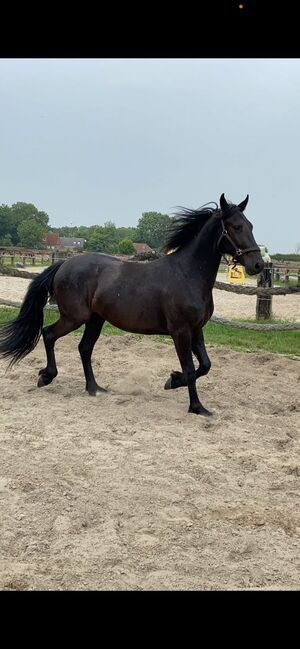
[92, 140]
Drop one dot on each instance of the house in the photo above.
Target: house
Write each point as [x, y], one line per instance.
[51, 240]
[142, 247]
[75, 243]
[54, 241]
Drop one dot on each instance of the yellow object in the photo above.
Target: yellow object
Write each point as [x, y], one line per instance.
[236, 274]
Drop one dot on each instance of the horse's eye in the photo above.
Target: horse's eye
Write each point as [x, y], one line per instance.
[237, 228]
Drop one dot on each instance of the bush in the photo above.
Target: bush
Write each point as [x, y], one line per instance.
[286, 257]
[126, 247]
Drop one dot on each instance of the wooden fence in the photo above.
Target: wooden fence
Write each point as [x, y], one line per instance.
[35, 258]
[283, 271]
[262, 292]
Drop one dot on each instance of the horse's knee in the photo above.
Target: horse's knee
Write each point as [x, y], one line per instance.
[205, 367]
[84, 350]
[190, 376]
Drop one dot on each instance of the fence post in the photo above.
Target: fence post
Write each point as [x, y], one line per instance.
[287, 276]
[264, 304]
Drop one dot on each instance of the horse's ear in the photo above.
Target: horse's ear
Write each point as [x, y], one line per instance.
[223, 203]
[243, 204]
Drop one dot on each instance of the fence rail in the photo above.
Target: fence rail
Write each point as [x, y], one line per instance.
[217, 319]
[46, 253]
[246, 290]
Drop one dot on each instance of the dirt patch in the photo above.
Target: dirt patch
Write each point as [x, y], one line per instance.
[126, 491]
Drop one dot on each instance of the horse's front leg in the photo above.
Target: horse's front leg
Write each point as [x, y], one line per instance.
[199, 349]
[176, 379]
[183, 344]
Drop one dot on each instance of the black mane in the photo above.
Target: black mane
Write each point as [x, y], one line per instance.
[186, 225]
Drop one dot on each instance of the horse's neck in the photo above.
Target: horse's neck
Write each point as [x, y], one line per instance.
[203, 255]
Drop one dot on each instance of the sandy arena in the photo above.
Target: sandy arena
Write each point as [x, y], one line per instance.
[126, 491]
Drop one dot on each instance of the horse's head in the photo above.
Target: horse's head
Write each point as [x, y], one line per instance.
[236, 236]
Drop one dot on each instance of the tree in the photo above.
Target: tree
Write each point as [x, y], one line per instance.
[12, 217]
[28, 211]
[110, 232]
[152, 228]
[6, 241]
[5, 220]
[30, 234]
[101, 240]
[127, 233]
[126, 247]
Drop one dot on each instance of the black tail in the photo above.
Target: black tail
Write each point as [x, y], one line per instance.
[20, 336]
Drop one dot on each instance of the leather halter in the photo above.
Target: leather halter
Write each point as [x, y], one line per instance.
[238, 252]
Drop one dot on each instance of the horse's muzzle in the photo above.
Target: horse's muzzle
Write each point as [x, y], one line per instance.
[255, 267]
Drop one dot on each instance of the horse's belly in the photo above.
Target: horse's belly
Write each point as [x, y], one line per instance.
[133, 318]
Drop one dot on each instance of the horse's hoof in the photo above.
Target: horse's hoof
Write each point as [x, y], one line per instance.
[168, 383]
[44, 379]
[94, 391]
[207, 413]
[174, 381]
[200, 411]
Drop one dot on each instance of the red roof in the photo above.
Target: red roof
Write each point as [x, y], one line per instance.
[142, 247]
[51, 238]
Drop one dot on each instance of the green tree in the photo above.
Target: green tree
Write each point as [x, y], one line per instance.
[28, 211]
[126, 247]
[127, 233]
[5, 220]
[110, 232]
[152, 228]
[83, 232]
[286, 257]
[101, 240]
[6, 241]
[12, 217]
[30, 234]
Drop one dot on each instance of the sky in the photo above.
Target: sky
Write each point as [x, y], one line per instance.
[93, 140]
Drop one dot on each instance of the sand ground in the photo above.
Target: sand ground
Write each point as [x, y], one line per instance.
[127, 491]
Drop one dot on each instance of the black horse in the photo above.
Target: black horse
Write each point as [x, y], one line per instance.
[171, 295]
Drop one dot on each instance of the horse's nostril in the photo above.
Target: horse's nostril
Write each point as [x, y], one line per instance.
[257, 266]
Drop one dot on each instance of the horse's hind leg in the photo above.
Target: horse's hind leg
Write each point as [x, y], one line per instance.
[91, 334]
[50, 334]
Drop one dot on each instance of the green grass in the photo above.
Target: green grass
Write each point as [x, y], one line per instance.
[280, 342]
[293, 281]
[28, 263]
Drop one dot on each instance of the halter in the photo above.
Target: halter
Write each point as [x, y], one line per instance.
[238, 251]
